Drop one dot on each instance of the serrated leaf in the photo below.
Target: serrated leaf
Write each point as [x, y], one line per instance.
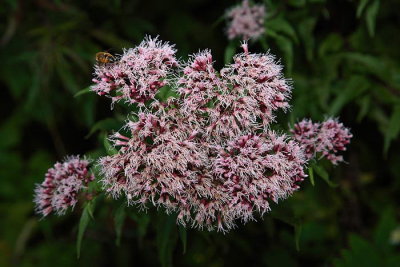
[83, 91]
[183, 237]
[83, 223]
[360, 8]
[370, 17]
[119, 219]
[393, 129]
[324, 175]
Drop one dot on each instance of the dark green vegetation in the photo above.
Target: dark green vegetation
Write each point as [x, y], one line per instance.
[344, 59]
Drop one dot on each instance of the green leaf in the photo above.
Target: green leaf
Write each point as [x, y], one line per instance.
[370, 14]
[360, 8]
[306, 29]
[364, 103]
[164, 240]
[393, 129]
[111, 150]
[143, 221]
[375, 66]
[166, 92]
[263, 43]
[109, 38]
[360, 253]
[106, 124]
[355, 87]
[280, 25]
[65, 73]
[323, 174]
[119, 219]
[230, 51]
[285, 45]
[387, 223]
[311, 174]
[297, 234]
[218, 21]
[332, 43]
[83, 223]
[83, 91]
[297, 3]
[183, 237]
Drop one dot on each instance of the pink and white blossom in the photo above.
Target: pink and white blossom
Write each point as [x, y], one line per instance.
[246, 21]
[136, 76]
[327, 138]
[61, 186]
[209, 155]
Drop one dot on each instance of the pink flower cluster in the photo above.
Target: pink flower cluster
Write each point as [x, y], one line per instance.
[245, 21]
[61, 186]
[237, 98]
[137, 75]
[209, 154]
[327, 138]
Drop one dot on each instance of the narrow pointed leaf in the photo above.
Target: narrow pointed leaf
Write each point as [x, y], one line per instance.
[119, 219]
[393, 129]
[83, 91]
[311, 174]
[371, 13]
[183, 237]
[83, 223]
[324, 175]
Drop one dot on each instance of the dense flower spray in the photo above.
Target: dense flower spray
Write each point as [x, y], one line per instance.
[209, 154]
[246, 21]
[61, 186]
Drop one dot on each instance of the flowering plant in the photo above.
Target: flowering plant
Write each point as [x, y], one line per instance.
[208, 153]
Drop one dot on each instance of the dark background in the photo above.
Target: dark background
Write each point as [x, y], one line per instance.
[343, 57]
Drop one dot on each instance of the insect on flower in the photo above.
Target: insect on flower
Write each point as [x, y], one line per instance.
[104, 58]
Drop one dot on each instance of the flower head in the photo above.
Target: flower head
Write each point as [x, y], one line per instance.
[328, 138]
[246, 21]
[61, 186]
[136, 76]
[233, 101]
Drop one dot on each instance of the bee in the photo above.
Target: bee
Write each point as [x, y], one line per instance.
[104, 58]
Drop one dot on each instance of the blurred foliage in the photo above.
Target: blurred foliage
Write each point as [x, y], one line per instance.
[343, 58]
